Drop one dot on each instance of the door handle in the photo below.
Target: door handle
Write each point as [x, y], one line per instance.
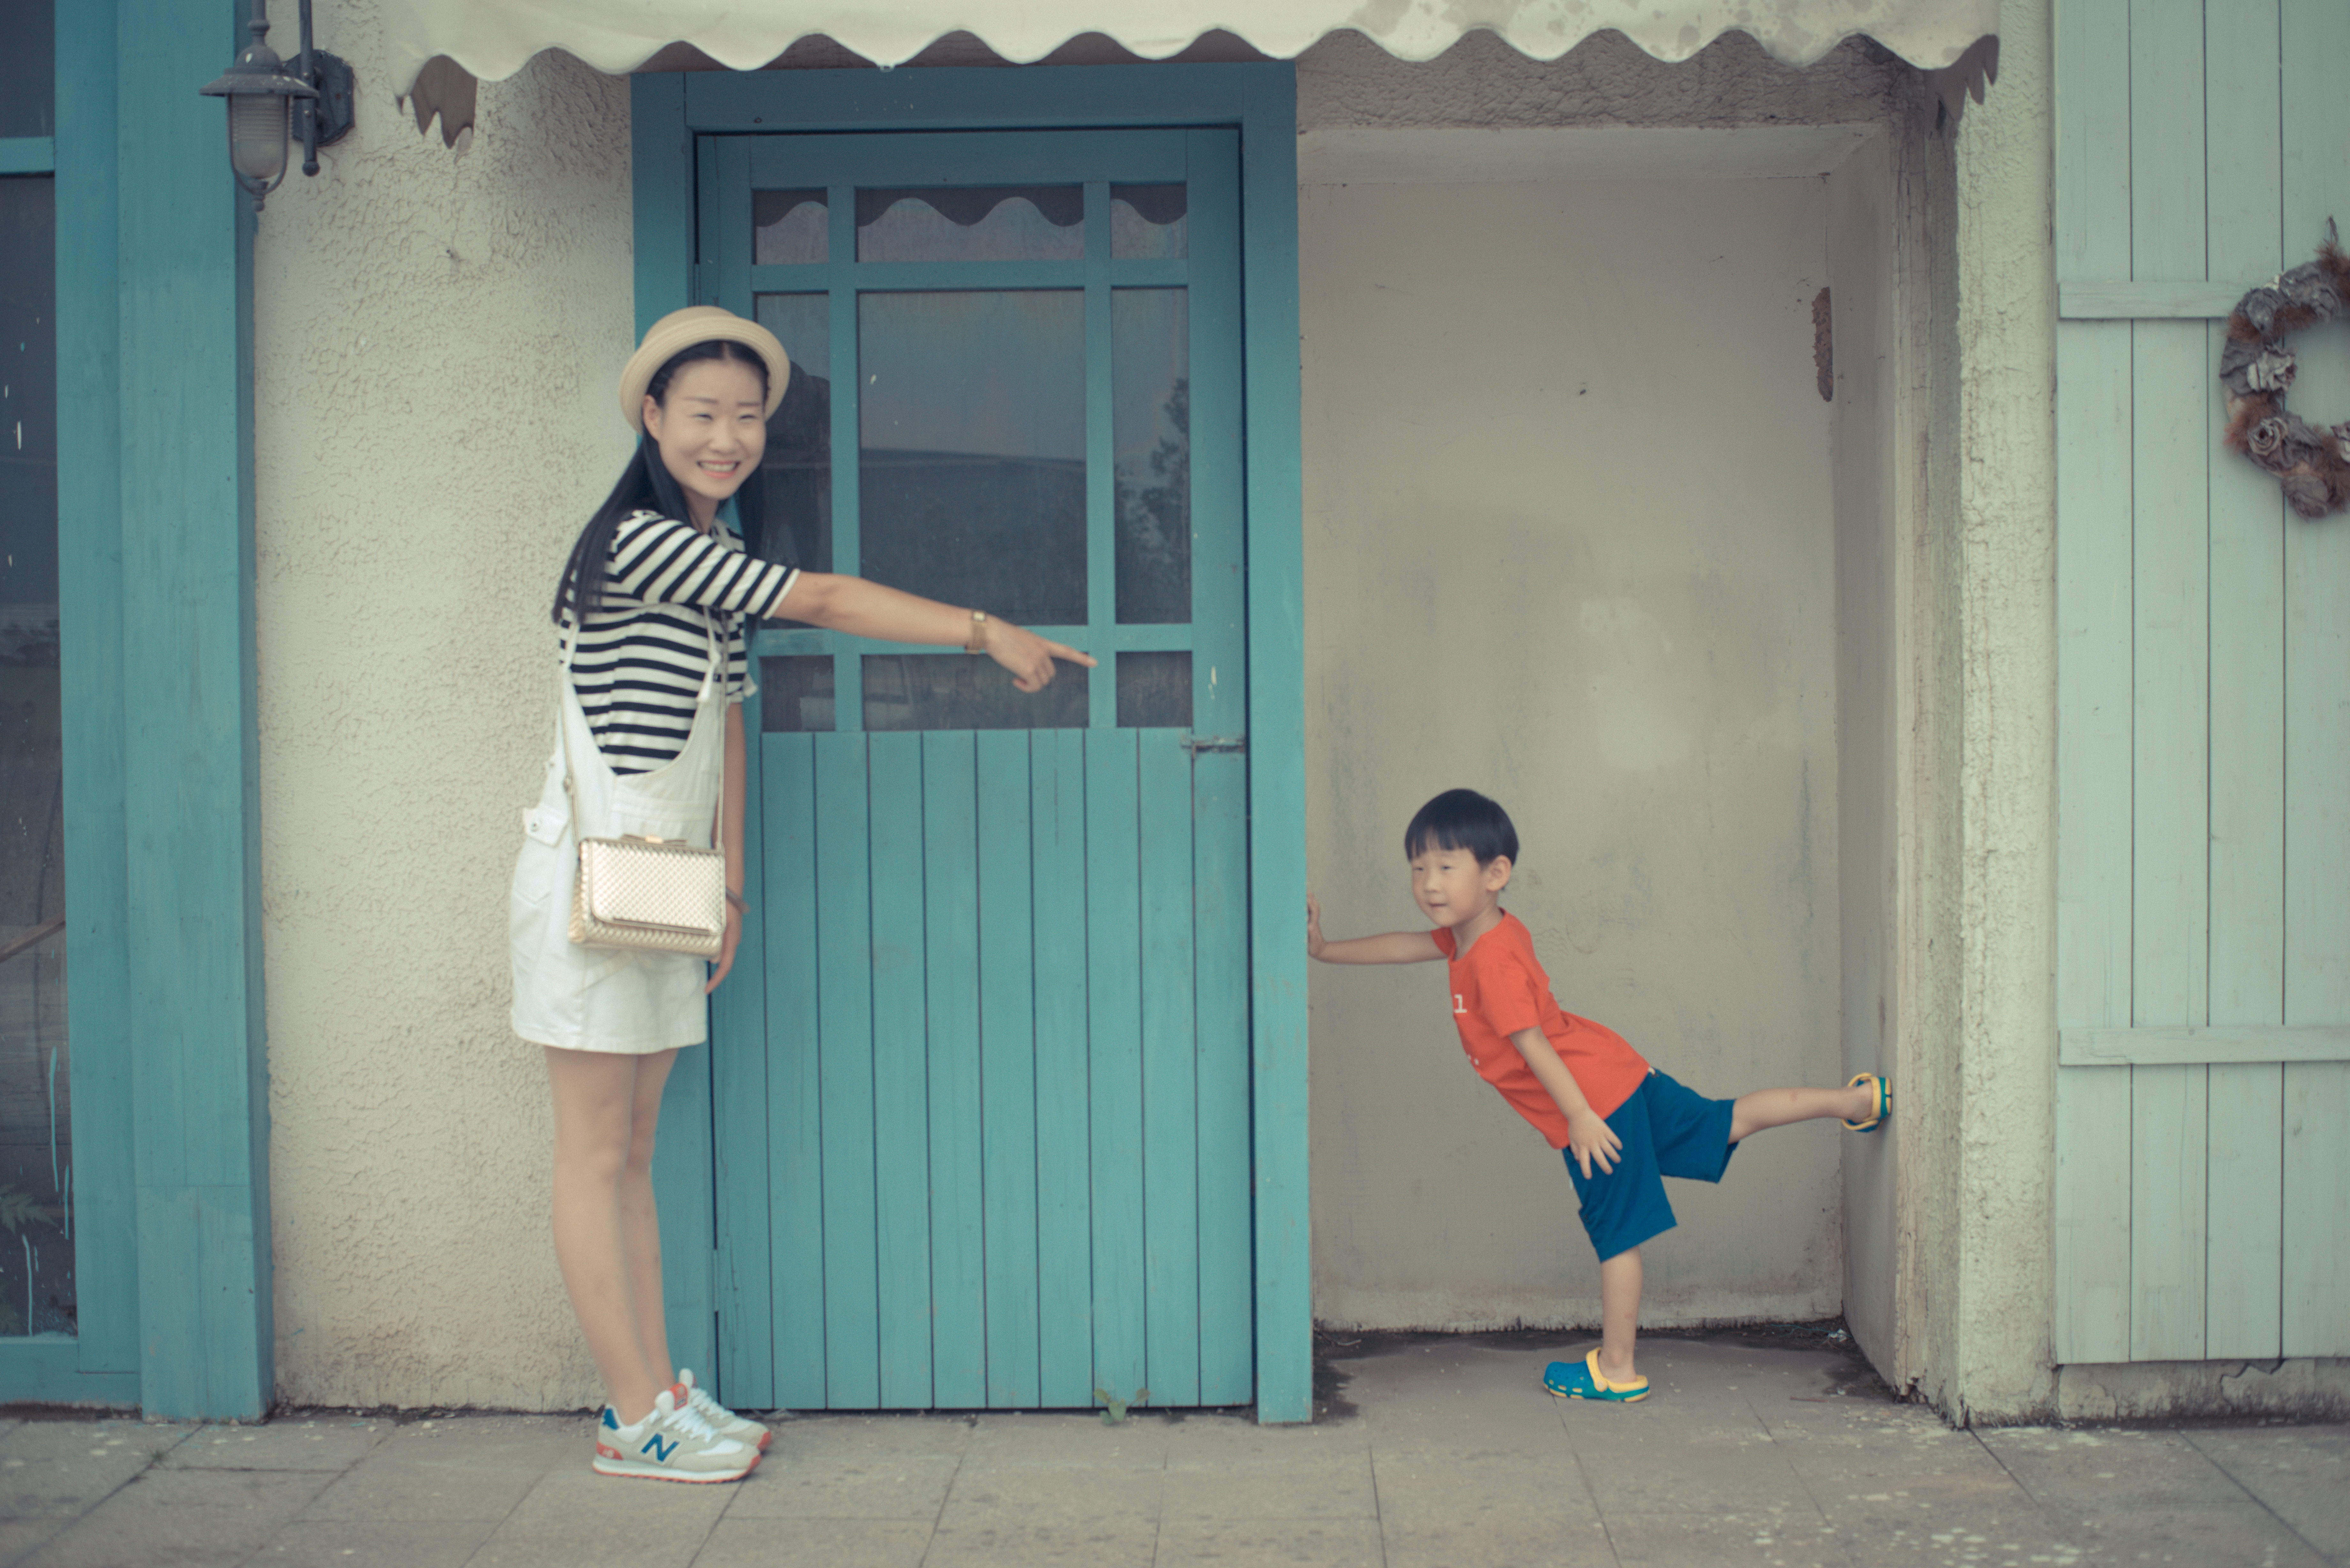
[1195, 744]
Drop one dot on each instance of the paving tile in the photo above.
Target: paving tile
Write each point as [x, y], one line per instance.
[1702, 1538]
[846, 1486]
[1334, 1483]
[1639, 1461]
[20, 1539]
[1898, 1466]
[1219, 1442]
[2301, 1473]
[2127, 1493]
[312, 1445]
[2117, 1467]
[873, 1434]
[1272, 1542]
[1498, 1543]
[1463, 1391]
[573, 1517]
[183, 1518]
[1429, 1491]
[57, 1469]
[373, 1543]
[1002, 1495]
[462, 1467]
[1104, 1544]
[1138, 1443]
[742, 1543]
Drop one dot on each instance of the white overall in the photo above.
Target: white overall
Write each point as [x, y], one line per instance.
[624, 1001]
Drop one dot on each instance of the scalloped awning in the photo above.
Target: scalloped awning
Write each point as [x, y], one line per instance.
[495, 39]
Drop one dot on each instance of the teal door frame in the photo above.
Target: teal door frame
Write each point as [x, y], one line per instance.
[1258, 101]
[162, 870]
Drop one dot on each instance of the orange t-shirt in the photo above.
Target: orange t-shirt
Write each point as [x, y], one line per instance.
[1499, 988]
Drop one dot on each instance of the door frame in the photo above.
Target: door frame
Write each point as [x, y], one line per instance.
[669, 111]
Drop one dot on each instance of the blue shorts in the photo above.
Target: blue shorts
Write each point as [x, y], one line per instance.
[1667, 1130]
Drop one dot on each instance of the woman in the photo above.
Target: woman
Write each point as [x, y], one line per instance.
[653, 606]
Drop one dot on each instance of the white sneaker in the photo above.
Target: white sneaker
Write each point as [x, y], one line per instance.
[671, 1443]
[722, 1421]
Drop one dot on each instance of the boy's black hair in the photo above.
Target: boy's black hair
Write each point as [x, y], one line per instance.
[1462, 819]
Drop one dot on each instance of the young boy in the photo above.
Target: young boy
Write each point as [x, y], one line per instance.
[1623, 1124]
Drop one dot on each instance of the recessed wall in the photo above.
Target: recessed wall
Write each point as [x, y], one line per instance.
[1570, 540]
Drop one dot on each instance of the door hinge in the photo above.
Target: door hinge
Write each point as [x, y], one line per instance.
[1195, 744]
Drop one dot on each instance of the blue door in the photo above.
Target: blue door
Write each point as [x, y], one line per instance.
[982, 1085]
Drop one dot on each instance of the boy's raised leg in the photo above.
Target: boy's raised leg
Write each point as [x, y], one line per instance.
[1766, 1108]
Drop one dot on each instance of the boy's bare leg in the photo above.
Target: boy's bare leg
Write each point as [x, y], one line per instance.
[1619, 1315]
[1777, 1108]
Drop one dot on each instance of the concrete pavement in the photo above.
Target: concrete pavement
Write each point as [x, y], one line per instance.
[1437, 1452]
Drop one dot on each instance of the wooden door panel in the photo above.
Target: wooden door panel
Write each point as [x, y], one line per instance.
[2203, 974]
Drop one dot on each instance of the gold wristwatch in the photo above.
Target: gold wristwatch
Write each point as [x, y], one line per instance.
[977, 641]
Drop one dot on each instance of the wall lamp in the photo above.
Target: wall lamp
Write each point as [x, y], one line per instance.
[264, 93]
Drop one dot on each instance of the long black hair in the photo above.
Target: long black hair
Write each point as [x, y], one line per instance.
[646, 484]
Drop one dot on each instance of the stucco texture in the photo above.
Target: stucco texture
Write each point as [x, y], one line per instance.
[1568, 542]
[435, 342]
[1993, 1285]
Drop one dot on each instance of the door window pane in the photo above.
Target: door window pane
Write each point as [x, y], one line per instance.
[36, 1252]
[796, 694]
[789, 227]
[795, 475]
[1002, 222]
[28, 94]
[957, 691]
[1149, 222]
[1150, 357]
[1154, 690]
[972, 472]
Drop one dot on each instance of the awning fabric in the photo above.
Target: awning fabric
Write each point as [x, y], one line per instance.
[495, 39]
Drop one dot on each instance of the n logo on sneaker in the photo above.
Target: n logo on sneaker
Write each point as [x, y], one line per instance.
[660, 1450]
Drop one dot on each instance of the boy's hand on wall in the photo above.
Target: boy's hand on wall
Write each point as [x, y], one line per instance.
[1313, 927]
[1589, 1138]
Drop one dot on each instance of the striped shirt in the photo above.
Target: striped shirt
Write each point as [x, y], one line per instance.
[642, 656]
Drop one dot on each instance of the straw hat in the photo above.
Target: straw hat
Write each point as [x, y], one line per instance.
[681, 330]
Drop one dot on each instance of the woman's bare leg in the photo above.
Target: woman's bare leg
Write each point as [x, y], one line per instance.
[595, 1102]
[641, 1223]
[1766, 1108]
[1619, 1315]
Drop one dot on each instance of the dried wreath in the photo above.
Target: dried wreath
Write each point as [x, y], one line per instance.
[2256, 367]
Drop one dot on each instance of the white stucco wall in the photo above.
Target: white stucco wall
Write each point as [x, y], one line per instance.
[1980, 1139]
[436, 337]
[1868, 221]
[1993, 1287]
[1568, 542]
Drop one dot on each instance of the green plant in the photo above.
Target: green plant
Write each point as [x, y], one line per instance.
[1114, 1408]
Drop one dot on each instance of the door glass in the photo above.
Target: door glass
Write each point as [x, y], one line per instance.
[795, 693]
[1151, 433]
[1006, 223]
[36, 1253]
[1154, 690]
[957, 691]
[27, 69]
[789, 227]
[1148, 222]
[972, 472]
[796, 476]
